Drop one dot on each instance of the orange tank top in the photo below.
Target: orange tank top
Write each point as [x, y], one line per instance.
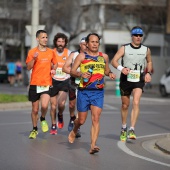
[61, 59]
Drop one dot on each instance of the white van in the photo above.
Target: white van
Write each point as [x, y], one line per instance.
[164, 86]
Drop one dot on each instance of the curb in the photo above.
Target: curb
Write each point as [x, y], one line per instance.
[15, 105]
[163, 144]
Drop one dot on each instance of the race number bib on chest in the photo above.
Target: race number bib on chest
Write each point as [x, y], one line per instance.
[59, 73]
[41, 89]
[133, 76]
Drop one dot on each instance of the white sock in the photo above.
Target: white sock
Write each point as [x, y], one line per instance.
[132, 128]
[124, 126]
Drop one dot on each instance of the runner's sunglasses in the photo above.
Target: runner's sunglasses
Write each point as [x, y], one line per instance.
[138, 35]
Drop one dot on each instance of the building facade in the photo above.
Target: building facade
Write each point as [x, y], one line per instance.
[114, 20]
[111, 19]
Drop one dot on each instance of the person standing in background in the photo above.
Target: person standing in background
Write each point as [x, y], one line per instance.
[40, 60]
[19, 73]
[132, 79]
[11, 72]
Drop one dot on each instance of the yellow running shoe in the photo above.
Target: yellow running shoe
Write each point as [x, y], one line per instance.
[44, 126]
[33, 134]
[123, 135]
[131, 134]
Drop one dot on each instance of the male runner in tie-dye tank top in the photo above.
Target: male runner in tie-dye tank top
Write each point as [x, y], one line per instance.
[90, 94]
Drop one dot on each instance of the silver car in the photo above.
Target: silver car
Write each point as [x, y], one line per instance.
[164, 86]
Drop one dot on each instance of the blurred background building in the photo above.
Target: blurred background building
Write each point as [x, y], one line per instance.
[112, 19]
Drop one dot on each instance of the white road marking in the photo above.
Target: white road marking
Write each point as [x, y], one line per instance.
[110, 107]
[124, 148]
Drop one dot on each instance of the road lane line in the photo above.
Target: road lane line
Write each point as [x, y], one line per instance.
[124, 148]
[110, 107]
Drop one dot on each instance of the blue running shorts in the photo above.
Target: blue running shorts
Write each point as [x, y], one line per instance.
[85, 98]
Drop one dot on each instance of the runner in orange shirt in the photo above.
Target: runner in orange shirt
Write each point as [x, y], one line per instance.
[40, 59]
[60, 84]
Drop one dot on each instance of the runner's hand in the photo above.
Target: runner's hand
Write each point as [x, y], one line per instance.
[125, 71]
[112, 75]
[147, 78]
[53, 71]
[35, 55]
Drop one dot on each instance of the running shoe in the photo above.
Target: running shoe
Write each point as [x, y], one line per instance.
[44, 126]
[70, 125]
[78, 135]
[131, 134]
[33, 134]
[123, 135]
[53, 130]
[60, 123]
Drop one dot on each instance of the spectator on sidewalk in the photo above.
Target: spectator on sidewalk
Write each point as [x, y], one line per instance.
[11, 72]
[18, 73]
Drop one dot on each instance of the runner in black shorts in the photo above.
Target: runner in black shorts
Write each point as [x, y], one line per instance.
[59, 86]
[127, 87]
[72, 89]
[39, 61]
[33, 96]
[73, 84]
[133, 57]
[60, 83]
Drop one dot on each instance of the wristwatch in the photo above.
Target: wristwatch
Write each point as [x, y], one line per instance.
[149, 73]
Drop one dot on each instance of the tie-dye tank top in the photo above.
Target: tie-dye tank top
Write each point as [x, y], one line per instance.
[96, 81]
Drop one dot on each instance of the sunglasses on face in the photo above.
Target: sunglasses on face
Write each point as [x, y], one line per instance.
[138, 35]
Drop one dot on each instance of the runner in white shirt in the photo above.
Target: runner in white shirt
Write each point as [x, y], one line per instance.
[74, 82]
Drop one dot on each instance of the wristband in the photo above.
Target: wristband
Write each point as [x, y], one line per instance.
[120, 68]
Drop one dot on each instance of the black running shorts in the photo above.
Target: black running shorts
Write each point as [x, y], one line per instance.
[72, 89]
[33, 96]
[59, 86]
[126, 87]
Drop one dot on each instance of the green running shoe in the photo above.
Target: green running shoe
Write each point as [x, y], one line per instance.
[33, 134]
[44, 126]
[131, 134]
[123, 135]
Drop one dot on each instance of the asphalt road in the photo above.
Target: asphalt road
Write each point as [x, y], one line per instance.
[54, 152]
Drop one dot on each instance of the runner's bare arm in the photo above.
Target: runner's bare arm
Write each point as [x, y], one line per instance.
[149, 66]
[67, 66]
[31, 63]
[108, 72]
[117, 56]
[149, 61]
[115, 60]
[76, 64]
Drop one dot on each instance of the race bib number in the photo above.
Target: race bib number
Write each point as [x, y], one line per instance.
[59, 73]
[41, 89]
[133, 76]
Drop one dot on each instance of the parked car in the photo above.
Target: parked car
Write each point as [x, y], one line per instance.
[164, 86]
[3, 73]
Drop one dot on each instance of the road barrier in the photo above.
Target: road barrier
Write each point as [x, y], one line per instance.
[117, 87]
